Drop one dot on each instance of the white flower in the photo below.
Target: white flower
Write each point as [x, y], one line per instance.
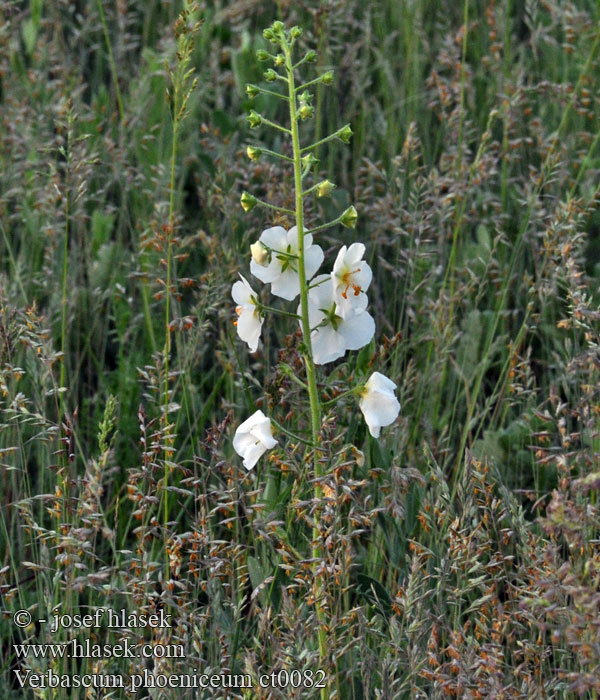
[378, 403]
[351, 278]
[249, 321]
[253, 438]
[282, 270]
[332, 335]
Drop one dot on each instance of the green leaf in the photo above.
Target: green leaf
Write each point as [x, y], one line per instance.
[257, 576]
[381, 457]
[375, 592]
[413, 503]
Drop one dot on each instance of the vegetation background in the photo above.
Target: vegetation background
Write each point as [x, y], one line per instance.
[461, 550]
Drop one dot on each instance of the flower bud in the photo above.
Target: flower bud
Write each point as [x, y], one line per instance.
[254, 119]
[260, 254]
[349, 217]
[252, 91]
[262, 55]
[247, 201]
[311, 56]
[325, 188]
[270, 75]
[295, 32]
[327, 78]
[306, 96]
[309, 160]
[306, 111]
[268, 34]
[345, 133]
[253, 153]
[279, 59]
[278, 26]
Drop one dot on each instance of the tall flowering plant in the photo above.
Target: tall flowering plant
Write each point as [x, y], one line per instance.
[332, 308]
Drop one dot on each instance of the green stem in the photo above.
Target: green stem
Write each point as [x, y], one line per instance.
[111, 60]
[273, 93]
[280, 312]
[311, 380]
[289, 433]
[268, 122]
[267, 152]
[274, 207]
[320, 142]
[335, 399]
[329, 224]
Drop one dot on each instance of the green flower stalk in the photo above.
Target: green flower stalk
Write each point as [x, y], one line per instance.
[332, 310]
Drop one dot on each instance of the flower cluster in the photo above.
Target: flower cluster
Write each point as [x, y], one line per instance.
[339, 321]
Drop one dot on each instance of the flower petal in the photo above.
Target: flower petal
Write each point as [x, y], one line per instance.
[249, 326]
[380, 383]
[357, 330]
[266, 274]
[327, 345]
[263, 432]
[354, 254]
[287, 284]
[313, 257]
[275, 237]
[257, 417]
[253, 454]
[382, 410]
[241, 291]
[351, 305]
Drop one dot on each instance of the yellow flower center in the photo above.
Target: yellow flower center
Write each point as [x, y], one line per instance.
[346, 279]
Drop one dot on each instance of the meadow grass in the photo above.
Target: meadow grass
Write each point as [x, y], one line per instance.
[458, 555]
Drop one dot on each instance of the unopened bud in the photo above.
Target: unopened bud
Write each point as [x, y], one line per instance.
[270, 75]
[278, 26]
[295, 32]
[247, 201]
[309, 160]
[260, 254]
[262, 55]
[327, 78]
[254, 119]
[306, 111]
[279, 59]
[311, 56]
[268, 34]
[349, 217]
[345, 133]
[325, 188]
[252, 91]
[253, 153]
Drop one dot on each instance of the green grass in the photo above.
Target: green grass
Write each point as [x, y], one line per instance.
[459, 552]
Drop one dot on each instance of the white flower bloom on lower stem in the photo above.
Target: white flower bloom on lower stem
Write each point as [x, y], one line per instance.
[249, 321]
[253, 438]
[351, 277]
[332, 335]
[378, 403]
[282, 269]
